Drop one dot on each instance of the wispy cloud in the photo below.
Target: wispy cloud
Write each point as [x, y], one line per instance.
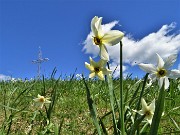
[144, 50]
[4, 77]
[139, 51]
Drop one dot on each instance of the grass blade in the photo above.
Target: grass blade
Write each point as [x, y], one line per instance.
[111, 94]
[92, 108]
[136, 125]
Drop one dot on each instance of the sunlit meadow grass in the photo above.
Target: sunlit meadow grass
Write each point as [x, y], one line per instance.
[68, 112]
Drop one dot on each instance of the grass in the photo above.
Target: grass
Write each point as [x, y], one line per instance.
[69, 113]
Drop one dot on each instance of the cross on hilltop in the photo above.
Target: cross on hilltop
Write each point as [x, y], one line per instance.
[39, 61]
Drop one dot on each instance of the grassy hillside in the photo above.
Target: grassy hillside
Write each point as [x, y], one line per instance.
[68, 112]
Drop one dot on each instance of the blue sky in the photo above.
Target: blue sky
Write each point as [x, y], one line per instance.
[61, 27]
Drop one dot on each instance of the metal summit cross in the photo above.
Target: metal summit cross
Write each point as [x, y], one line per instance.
[39, 61]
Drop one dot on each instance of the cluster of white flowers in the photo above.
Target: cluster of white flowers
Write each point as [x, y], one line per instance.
[101, 39]
[160, 72]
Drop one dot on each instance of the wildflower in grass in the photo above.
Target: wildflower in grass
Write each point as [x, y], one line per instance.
[161, 72]
[97, 68]
[41, 100]
[148, 111]
[101, 38]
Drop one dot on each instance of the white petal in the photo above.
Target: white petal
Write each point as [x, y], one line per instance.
[144, 105]
[160, 62]
[149, 120]
[106, 71]
[162, 114]
[103, 53]
[41, 106]
[166, 81]
[100, 75]
[92, 62]
[47, 102]
[160, 82]
[93, 27]
[112, 37]
[91, 75]
[149, 117]
[149, 68]
[170, 61]
[174, 74]
[88, 66]
[36, 99]
[135, 111]
[152, 106]
[99, 27]
[141, 112]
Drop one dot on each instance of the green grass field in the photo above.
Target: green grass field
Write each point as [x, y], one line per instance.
[68, 113]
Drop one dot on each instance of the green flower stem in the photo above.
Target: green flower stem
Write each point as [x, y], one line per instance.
[121, 92]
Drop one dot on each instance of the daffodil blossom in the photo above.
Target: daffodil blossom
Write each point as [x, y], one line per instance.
[161, 72]
[41, 100]
[97, 68]
[101, 38]
[146, 110]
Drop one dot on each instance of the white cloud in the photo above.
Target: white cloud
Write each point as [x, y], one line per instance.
[145, 49]
[139, 51]
[179, 67]
[4, 77]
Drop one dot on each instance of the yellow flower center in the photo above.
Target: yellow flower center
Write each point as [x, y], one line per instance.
[97, 40]
[97, 69]
[42, 99]
[161, 73]
[147, 113]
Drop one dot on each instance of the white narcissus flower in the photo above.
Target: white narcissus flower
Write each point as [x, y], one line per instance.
[97, 68]
[161, 72]
[101, 38]
[146, 110]
[41, 100]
